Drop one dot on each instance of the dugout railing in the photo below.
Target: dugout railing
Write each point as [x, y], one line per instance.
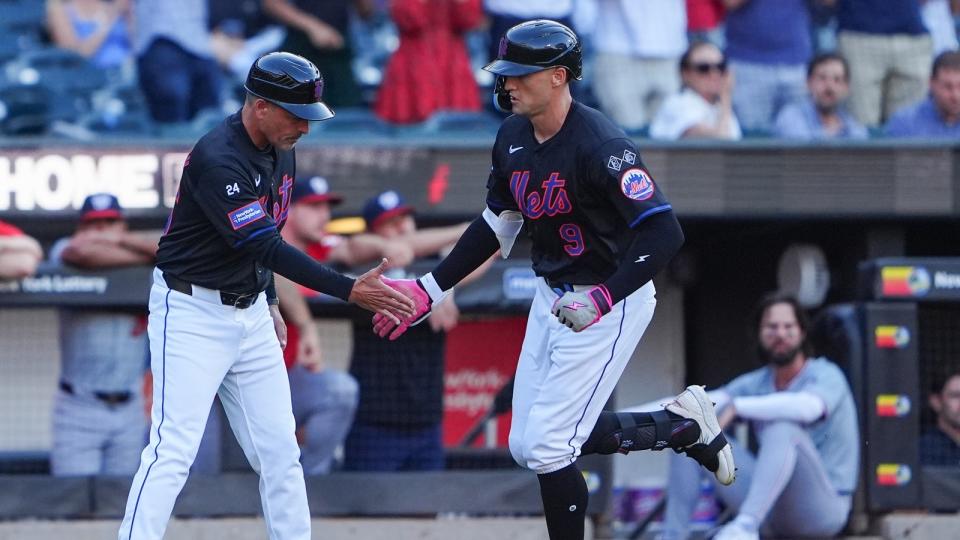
[479, 481]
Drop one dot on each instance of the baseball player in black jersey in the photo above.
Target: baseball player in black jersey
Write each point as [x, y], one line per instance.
[214, 325]
[600, 230]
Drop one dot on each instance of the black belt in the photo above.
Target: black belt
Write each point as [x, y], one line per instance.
[237, 300]
[110, 398]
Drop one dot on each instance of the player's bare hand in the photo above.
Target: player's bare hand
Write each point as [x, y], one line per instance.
[370, 292]
[279, 326]
[309, 351]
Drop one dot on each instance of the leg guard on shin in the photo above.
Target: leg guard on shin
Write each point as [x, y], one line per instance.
[626, 432]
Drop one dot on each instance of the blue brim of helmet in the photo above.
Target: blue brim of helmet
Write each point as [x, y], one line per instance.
[310, 111]
[507, 68]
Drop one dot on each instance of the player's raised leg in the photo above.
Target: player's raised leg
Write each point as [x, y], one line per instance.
[256, 397]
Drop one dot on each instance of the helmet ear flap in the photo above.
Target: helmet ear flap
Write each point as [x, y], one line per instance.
[501, 98]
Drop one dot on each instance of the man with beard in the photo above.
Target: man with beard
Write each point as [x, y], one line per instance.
[800, 481]
[822, 114]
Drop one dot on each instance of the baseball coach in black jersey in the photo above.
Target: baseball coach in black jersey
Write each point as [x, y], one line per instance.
[214, 326]
[600, 229]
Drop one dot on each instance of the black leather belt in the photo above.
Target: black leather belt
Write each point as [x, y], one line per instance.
[237, 300]
[110, 398]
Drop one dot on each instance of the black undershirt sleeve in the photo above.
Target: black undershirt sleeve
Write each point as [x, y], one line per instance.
[299, 267]
[657, 240]
[476, 245]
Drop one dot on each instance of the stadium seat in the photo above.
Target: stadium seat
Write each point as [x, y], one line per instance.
[458, 122]
[22, 13]
[121, 123]
[353, 120]
[56, 68]
[23, 110]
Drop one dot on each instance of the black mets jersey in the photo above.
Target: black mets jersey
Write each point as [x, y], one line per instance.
[580, 192]
[231, 204]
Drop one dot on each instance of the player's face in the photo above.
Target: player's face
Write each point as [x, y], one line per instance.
[706, 72]
[397, 226]
[828, 85]
[947, 403]
[781, 337]
[531, 94]
[945, 88]
[309, 220]
[281, 129]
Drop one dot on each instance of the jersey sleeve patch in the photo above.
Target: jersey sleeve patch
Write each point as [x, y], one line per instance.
[245, 215]
[636, 184]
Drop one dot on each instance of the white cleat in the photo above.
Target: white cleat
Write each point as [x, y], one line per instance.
[711, 449]
[734, 531]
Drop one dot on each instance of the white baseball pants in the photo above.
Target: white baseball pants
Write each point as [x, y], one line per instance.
[565, 378]
[201, 348]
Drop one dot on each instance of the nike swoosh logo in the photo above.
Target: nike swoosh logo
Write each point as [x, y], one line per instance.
[257, 181]
[641, 258]
[575, 306]
[513, 149]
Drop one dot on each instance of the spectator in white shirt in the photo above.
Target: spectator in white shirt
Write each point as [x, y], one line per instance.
[702, 109]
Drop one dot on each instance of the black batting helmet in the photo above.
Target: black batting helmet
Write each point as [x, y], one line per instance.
[291, 82]
[534, 46]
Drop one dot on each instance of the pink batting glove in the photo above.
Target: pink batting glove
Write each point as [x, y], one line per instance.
[382, 326]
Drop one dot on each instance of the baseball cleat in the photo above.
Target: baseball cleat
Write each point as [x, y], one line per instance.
[711, 450]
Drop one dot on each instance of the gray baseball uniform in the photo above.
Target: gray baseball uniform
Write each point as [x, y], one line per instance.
[801, 481]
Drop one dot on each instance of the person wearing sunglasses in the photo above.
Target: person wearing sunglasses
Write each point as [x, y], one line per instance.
[703, 107]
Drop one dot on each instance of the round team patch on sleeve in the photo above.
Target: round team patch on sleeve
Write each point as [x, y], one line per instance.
[636, 184]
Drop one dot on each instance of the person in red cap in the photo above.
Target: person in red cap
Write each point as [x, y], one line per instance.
[19, 253]
[324, 399]
[398, 424]
[102, 239]
[98, 421]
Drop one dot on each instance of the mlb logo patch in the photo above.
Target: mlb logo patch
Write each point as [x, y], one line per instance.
[636, 184]
[245, 215]
[615, 163]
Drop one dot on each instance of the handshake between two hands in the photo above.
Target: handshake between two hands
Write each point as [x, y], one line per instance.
[577, 310]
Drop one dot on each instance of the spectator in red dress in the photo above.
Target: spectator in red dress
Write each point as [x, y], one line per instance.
[705, 21]
[431, 69]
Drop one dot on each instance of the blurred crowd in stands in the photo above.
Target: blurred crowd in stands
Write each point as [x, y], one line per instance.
[667, 69]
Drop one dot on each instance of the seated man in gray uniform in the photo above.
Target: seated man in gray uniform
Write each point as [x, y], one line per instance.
[99, 422]
[801, 480]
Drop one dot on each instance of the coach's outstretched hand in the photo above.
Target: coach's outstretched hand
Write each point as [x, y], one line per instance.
[370, 292]
[413, 289]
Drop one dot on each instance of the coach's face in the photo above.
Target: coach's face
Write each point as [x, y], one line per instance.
[279, 127]
[781, 337]
[531, 94]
